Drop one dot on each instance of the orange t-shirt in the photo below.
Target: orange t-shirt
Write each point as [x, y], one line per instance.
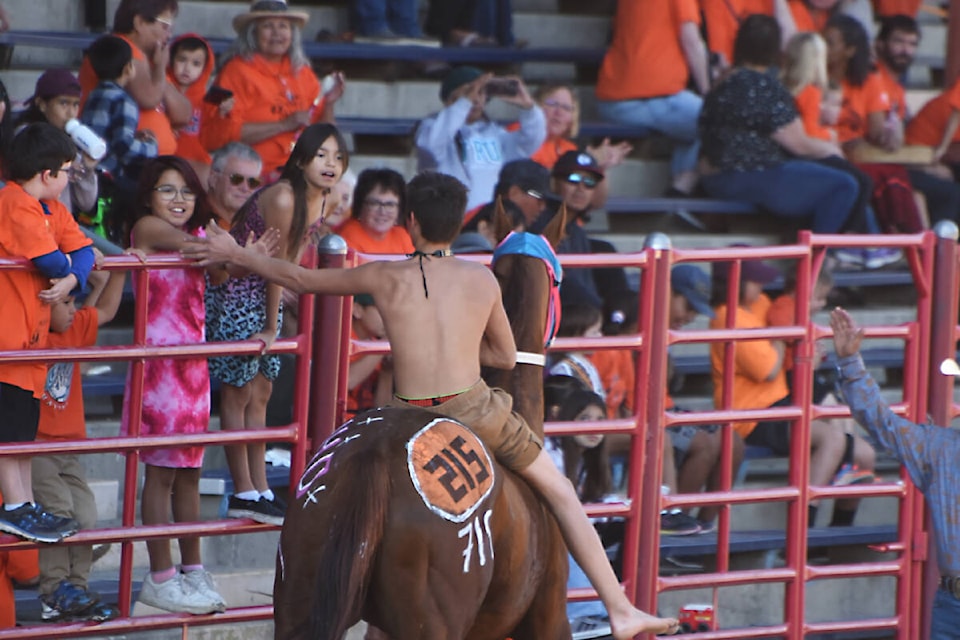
[782, 313]
[927, 127]
[61, 407]
[895, 91]
[753, 362]
[21, 566]
[153, 119]
[357, 238]
[27, 232]
[858, 103]
[884, 8]
[551, 150]
[645, 59]
[723, 19]
[809, 101]
[360, 398]
[808, 19]
[263, 91]
[618, 375]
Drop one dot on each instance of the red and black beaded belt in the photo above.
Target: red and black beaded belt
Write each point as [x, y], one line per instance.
[429, 402]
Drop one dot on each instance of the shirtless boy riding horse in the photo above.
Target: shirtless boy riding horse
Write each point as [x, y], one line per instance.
[445, 319]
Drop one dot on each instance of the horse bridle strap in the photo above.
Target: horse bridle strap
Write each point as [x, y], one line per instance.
[527, 357]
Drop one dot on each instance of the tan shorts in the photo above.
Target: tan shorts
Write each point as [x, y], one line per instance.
[488, 412]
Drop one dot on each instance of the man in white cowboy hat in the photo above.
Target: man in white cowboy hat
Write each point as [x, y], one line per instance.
[276, 93]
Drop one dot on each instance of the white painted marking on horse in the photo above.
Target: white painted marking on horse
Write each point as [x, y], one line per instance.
[467, 532]
[312, 495]
[481, 552]
[369, 420]
[486, 525]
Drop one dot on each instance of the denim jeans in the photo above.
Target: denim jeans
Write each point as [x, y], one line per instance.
[375, 17]
[674, 116]
[821, 197]
[494, 19]
[577, 579]
[945, 624]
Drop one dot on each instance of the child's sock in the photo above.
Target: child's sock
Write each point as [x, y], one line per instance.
[249, 495]
[12, 506]
[188, 568]
[268, 494]
[163, 576]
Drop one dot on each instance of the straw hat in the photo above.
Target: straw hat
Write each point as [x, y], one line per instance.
[269, 9]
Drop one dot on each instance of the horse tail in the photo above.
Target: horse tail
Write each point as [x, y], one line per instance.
[346, 563]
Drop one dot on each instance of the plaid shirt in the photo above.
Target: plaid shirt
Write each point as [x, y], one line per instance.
[114, 116]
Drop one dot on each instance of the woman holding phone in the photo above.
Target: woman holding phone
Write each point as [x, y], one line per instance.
[275, 92]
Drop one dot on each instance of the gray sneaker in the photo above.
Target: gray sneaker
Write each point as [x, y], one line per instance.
[175, 595]
[26, 523]
[203, 582]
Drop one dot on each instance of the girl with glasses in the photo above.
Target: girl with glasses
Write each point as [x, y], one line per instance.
[171, 208]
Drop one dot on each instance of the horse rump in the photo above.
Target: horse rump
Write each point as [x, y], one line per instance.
[330, 539]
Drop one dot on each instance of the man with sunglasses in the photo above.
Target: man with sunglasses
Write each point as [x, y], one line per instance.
[574, 178]
[234, 176]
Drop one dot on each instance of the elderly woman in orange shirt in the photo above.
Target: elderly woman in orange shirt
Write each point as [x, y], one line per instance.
[378, 202]
[276, 94]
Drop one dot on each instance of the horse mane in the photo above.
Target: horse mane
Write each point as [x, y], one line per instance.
[525, 288]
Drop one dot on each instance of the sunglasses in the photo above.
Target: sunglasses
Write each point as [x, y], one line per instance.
[588, 182]
[236, 180]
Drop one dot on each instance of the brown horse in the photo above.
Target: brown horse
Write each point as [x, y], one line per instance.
[403, 518]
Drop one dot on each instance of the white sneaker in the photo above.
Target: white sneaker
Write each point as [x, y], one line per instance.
[203, 582]
[175, 595]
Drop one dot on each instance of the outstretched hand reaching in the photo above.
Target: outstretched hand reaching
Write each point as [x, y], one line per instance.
[846, 335]
[218, 247]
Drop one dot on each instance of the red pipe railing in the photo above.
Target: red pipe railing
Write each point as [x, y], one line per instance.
[319, 406]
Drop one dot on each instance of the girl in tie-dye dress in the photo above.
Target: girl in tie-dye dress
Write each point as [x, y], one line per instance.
[170, 209]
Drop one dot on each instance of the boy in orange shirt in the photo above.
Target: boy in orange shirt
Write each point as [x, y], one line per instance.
[59, 480]
[859, 458]
[760, 381]
[36, 226]
[19, 566]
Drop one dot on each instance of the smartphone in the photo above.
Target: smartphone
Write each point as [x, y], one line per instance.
[507, 87]
[216, 95]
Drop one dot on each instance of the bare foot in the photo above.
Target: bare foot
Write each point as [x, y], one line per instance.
[637, 622]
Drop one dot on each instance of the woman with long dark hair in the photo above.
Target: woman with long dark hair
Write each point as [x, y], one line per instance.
[248, 308]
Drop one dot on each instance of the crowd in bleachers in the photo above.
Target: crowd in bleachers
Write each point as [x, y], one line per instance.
[784, 104]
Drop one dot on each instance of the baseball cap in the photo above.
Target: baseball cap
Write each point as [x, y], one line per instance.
[576, 162]
[56, 82]
[458, 77]
[530, 176]
[693, 284]
[471, 242]
[750, 270]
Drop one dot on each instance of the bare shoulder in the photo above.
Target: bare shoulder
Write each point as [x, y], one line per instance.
[276, 203]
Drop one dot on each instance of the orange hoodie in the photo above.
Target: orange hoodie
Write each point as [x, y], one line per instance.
[188, 137]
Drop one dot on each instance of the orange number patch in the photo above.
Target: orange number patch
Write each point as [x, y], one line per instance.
[450, 469]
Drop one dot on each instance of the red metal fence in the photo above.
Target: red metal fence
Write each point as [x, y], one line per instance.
[929, 338]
